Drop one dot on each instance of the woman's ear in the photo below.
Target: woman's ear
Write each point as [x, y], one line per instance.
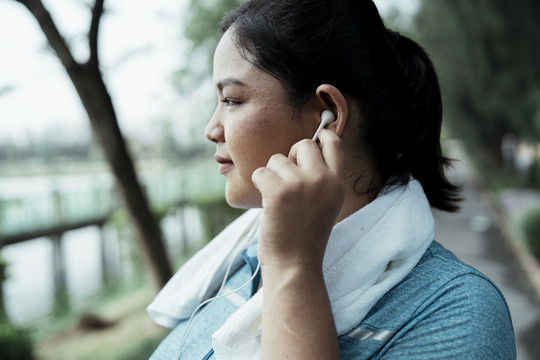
[330, 98]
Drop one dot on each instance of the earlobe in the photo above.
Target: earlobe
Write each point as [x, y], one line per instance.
[331, 98]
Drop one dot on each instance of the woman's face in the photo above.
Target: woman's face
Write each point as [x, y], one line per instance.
[251, 122]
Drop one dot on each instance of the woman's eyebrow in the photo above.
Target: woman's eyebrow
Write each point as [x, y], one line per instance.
[229, 81]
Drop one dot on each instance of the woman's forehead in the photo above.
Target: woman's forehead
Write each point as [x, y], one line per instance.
[228, 63]
[231, 68]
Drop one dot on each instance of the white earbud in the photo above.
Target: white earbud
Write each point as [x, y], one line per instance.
[326, 118]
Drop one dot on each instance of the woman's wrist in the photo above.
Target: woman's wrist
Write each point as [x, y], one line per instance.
[292, 276]
[297, 315]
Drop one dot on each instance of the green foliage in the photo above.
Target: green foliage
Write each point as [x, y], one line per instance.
[530, 226]
[203, 32]
[203, 26]
[3, 266]
[533, 176]
[15, 343]
[497, 178]
[3, 277]
[216, 214]
[488, 60]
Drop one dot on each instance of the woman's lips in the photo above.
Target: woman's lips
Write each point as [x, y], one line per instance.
[224, 164]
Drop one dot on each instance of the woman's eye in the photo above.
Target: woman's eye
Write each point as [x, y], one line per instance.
[230, 102]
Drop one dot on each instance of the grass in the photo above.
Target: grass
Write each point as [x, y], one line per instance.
[132, 336]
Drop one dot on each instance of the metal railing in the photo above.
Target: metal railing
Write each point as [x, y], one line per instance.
[52, 214]
[26, 217]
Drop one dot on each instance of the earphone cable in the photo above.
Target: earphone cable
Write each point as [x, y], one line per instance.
[192, 319]
[211, 301]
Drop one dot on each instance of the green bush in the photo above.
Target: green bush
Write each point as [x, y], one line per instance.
[15, 343]
[530, 226]
[216, 214]
[3, 277]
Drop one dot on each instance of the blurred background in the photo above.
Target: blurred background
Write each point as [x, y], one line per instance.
[107, 183]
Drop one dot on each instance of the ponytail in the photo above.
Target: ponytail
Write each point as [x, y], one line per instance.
[417, 148]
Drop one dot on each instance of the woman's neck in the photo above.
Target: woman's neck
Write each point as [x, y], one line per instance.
[353, 202]
[356, 193]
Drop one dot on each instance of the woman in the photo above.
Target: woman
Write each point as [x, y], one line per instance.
[339, 261]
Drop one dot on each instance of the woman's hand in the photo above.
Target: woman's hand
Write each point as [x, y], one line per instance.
[302, 195]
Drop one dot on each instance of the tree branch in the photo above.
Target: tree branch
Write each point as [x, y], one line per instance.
[97, 11]
[88, 82]
[56, 41]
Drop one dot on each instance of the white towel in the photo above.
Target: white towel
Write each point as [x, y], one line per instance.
[201, 277]
[367, 254]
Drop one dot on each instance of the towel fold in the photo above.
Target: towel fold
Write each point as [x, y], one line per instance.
[201, 276]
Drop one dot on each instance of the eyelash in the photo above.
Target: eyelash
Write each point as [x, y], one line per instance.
[230, 102]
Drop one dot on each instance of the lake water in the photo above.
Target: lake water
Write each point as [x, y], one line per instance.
[29, 289]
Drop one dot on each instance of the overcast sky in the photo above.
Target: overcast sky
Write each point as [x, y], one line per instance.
[141, 46]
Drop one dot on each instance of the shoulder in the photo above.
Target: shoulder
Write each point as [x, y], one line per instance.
[441, 278]
[443, 309]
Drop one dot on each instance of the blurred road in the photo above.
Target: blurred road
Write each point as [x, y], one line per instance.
[475, 236]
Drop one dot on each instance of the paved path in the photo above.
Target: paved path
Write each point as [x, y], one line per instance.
[475, 236]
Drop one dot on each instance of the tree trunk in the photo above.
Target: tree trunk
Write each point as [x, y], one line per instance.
[98, 104]
[96, 100]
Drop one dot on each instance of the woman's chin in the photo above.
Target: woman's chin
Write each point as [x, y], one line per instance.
[242, 200]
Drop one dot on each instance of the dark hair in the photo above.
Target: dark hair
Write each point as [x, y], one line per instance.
[305, 43]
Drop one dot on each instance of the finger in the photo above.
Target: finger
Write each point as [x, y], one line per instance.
[307, 155]
[283, 166]
[332, 151]
[278, 161]
[265, 180]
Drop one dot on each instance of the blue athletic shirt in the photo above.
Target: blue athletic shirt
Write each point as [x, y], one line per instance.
[444, 309]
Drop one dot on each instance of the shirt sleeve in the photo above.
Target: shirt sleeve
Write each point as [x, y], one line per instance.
[467, 318]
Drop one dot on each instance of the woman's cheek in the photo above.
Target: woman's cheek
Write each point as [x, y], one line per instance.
[248, 141]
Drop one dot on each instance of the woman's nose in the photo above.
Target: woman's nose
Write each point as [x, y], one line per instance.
[214, 130]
